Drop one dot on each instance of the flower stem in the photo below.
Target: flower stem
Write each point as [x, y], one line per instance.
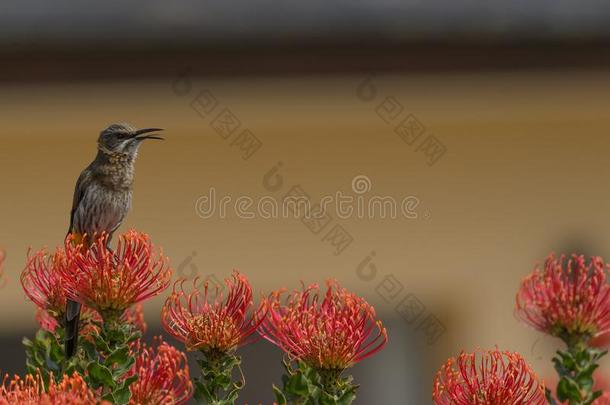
[575, 367]
[216, 385]
[111, 359]
[331, 380]
[306, 385]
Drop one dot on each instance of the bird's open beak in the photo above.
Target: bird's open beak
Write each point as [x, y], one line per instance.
[140, 137]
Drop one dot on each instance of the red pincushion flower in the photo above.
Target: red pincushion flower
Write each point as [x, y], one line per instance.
[487, 378]
[110, 282]
[41, 280]
[163, 375]
[31, 391]
[567, 299]
[333, 334]
[204, 320]
[42, 283]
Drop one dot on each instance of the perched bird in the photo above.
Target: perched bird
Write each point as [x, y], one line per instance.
[102, 198]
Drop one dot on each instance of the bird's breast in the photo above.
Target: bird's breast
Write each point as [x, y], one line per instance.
[117, 176]
[102, 209]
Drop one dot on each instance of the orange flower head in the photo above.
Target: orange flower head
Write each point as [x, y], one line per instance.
[487, 378]
[567, 299]
[163, 375]
[31, 391]
[204, 320]
[112, 281]
[42, 283]
[333, 333]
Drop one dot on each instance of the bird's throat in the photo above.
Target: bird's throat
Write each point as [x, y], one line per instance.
[115, 170]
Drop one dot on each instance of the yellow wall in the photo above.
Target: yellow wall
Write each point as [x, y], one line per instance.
[525, 173]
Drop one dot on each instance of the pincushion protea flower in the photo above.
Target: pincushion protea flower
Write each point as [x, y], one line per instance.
[204, 320]
[332, 334]
[31, 391]
[42, 283]
[487, 378]
[110, 282]
[163, 375]
[567, 299]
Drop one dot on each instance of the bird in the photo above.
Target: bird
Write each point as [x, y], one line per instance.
[102, 198]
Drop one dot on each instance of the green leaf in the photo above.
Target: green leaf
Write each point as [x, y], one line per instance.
[27, 343]
[596, 395]
[585, 377]
[326, 399]
[202, 395]
[120, 371]
[130, 380]
[135, 335]
[115, 335]
[348, 396]
[567, 360]
[100, 375]
[280, 398]
[122, 395]
[42, 335]
[597, 354]
[100, 344]
[89, 349]
[567, 389]
[120, 357]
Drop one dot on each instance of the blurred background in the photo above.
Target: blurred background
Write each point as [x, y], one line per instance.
[489, 118]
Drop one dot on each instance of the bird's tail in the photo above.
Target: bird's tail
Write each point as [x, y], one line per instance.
[72, 320]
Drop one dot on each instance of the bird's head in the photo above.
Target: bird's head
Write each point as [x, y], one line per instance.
[123, 139]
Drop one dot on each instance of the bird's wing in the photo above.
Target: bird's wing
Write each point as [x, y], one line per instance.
[79, 192]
